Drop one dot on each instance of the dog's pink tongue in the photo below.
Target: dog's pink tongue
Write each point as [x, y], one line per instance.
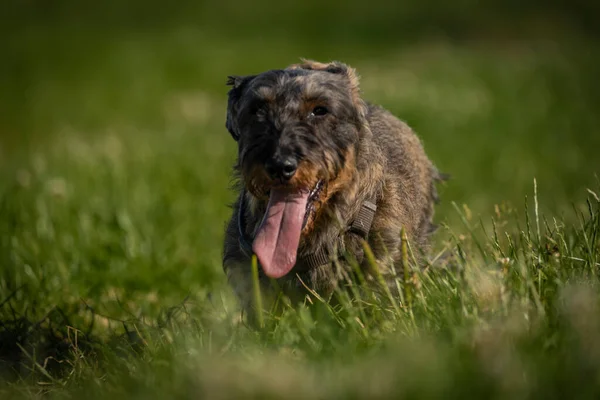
[276, 242]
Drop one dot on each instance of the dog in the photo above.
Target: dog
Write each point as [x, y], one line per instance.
[320, 172]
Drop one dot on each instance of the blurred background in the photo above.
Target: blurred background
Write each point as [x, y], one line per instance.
[500, 91]
[115, 161]
[115, 170]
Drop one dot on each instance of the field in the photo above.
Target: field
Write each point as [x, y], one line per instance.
[114, 190]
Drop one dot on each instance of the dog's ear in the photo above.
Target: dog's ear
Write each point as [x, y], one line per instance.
[236, 81]
[336, 67]
[238, 84]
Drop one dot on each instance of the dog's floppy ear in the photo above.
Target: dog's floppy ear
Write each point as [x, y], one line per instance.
[236, 81]
[336, 67]
[238, 84]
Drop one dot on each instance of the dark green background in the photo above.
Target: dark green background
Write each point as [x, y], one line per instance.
[501, 92]
[114, 184]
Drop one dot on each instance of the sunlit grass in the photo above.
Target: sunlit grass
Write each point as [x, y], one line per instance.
[114, 198]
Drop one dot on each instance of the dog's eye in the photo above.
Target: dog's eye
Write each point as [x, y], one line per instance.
[260, 113]
[258, 108]
[319, 111]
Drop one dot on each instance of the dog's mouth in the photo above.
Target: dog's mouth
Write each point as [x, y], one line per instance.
[288, 212]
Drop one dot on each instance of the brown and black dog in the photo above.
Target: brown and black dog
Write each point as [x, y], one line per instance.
[320, 171]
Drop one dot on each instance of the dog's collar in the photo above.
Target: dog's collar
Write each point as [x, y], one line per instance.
[360, 226]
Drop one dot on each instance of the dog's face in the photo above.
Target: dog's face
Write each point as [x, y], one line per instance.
[297, 131]
[296, 128]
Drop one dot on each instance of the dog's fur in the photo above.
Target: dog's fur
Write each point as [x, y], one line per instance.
[359, 150]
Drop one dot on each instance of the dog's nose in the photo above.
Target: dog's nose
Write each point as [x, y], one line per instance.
[281, 167]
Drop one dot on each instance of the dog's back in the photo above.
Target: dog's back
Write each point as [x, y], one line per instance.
[409, 180]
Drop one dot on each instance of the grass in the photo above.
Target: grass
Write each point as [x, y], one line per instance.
[115, 165]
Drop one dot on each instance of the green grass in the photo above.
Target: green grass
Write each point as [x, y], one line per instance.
[114, 176]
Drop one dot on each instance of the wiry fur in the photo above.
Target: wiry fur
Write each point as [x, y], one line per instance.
[360, 151]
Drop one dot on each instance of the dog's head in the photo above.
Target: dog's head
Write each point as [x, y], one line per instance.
[297, 131]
